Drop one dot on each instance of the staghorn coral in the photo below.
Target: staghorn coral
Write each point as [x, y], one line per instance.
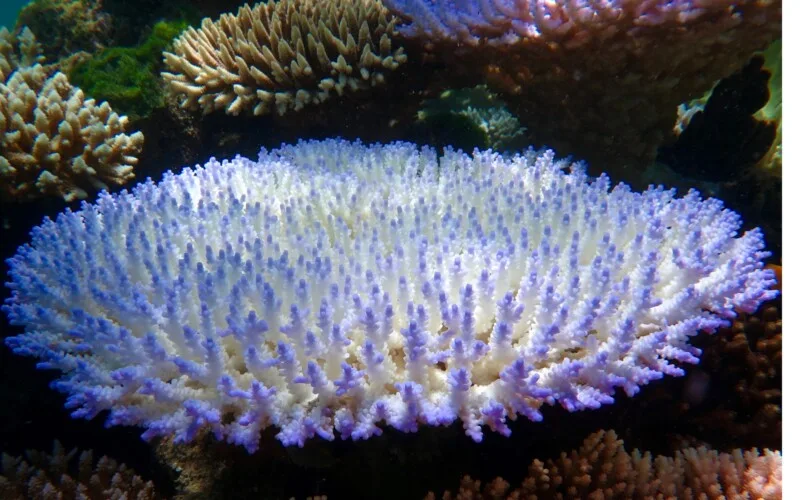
[602, 469]
[282, 56]
[54, 476]
[332, 286]
[53, 141]
[600, 80]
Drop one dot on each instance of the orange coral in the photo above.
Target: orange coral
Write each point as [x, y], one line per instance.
[602, 468]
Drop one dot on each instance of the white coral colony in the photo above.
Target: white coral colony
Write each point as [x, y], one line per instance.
[336, 288]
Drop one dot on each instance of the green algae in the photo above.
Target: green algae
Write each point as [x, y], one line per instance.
[128, 77]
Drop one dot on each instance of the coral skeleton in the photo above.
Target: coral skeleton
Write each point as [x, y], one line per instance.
[335, 287]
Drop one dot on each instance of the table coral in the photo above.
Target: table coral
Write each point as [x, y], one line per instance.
[54, 141]
[332, 286]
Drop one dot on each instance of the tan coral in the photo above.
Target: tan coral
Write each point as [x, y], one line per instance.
[54, 141]
[281, 56]
[16, 51]
[50, 476]
[603, 469]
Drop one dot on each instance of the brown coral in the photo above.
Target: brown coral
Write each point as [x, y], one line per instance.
[602, 468]
[51, 476]
[21, 50]
[606, 87]
[53, 141]
[67, 26]
[281, 56]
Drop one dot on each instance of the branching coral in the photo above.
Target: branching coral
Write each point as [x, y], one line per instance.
[602, 469]
[336, 286]
[53, 141]
[281, 56]
[600, 80]
[18, 51]
[53, 476]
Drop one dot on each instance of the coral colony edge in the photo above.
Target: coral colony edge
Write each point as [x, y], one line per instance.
[335, 287]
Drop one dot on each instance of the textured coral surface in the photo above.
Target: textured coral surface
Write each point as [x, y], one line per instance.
[336, 286]
[281, 56]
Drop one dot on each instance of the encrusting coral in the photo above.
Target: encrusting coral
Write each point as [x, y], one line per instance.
[282, 56]
[600, 80]
[332, 286]
[55, 476]
[603, 469]
[53, 141]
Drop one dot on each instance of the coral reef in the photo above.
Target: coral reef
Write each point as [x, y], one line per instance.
[600, 80]
[56, 476]
[733, 141]
[128, 77]
[743, 366]
[381, 293]
[64, 27]
[22, 50]
[469, 118]
[53, 141]
[603, 469]
[259, 61]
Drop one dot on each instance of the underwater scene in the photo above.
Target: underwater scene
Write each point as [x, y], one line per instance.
[390, 249]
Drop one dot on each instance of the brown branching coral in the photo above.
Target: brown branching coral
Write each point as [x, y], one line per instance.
[602, 468]
[21, 50]
[281, 56]
[53, 141]
[57, 476]
[745, 362]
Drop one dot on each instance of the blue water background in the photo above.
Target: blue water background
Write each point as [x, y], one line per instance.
[9, 10]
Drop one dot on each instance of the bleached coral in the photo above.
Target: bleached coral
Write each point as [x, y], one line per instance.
[282, 56]
[332, 286]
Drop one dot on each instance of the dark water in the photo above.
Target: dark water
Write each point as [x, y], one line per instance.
[716, 154]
